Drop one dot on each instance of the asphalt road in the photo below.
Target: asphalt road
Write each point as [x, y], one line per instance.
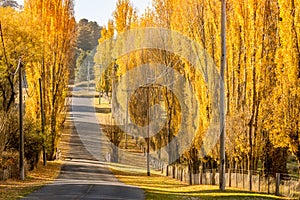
[84, 174]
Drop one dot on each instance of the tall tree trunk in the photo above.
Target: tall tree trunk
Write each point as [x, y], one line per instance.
[53, 135]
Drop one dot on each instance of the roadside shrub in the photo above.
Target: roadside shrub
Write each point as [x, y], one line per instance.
[33, 147]
[10, 161]
[8, 130]
[32, 142]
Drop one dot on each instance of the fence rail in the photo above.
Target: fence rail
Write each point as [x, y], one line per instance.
[279, 185]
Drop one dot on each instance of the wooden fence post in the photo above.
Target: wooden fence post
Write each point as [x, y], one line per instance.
[236, 178]
[205, 178]
[259, 180]
[190, 176]
[277, 184]
[250, 179]
[167, 170]
[181, 174]
[173, 171]
[200, 175]
[243, 178]
[268, 180]
[213, 181]
[229, 178]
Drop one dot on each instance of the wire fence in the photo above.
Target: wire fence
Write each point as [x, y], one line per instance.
[280, 185]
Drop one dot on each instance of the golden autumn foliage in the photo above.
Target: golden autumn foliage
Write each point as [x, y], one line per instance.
[262, 75]
[43, 36]
[54, 23]
[17, 40]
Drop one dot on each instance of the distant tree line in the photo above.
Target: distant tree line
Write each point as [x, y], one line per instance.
[87, 40]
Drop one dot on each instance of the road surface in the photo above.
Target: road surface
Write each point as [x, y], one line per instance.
[84, 174]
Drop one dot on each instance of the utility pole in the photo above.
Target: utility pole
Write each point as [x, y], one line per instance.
[148, 130]
[21, 150]
[100, 80]
[222, 180]
[113, 132]
[88, 76]
[126, 116]
[148, 126]
[42, 121]
[148, 135]
[127, 82]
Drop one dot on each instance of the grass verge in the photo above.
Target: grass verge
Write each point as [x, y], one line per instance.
[159, 187]
[16, 189]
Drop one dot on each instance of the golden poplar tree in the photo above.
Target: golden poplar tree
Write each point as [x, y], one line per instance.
[262, 75]
[56, 29]
[284, 123]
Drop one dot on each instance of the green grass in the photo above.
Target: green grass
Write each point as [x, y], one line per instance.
[160, 187]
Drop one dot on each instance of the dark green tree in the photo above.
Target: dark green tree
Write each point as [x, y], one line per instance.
[88, 34]
[9, 3]
[83, 62]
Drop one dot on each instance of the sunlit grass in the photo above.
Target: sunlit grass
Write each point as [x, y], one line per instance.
[161, 187]
[15, 189]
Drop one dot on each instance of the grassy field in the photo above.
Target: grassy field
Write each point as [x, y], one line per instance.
[15, 189]
[165, 188]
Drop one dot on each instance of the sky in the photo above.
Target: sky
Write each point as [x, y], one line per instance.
[101, 10]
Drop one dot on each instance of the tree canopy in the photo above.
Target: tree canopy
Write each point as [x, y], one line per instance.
[262, 75]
